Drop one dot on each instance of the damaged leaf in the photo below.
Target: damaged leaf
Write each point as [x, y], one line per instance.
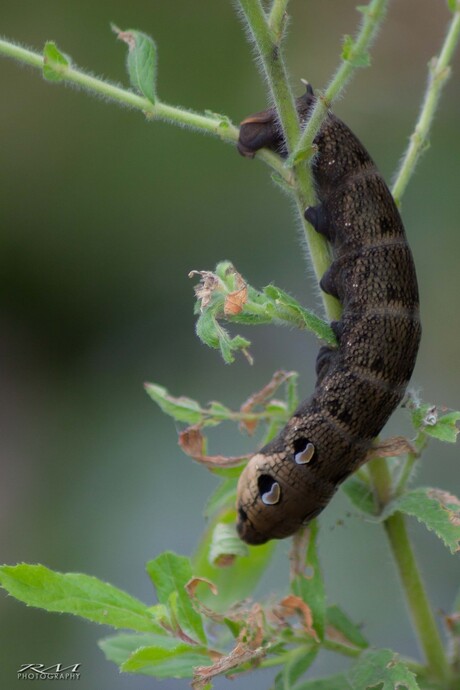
[438, 510]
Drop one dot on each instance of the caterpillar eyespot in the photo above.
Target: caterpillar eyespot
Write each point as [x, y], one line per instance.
[359, 383]
[269, 489]
[304, 451]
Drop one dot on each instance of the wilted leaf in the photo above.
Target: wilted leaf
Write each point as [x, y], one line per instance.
[294, 606]
[438, 510]
[241, 654]
[192, 442]
[226, 545]
[239, 580]
[263, 396]
[390, 448]
[141, 61]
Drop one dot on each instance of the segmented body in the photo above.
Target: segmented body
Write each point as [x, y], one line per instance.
[359, 384]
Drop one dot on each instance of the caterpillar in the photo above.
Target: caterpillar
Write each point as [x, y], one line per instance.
[290, 480]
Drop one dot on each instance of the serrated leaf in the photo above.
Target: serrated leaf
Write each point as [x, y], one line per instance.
[308, 583]
[81, 595]
[438, 510]
[337, 682]
[339, 620]
[226, 545]
[360, 494]
[159, 662]
[169, 574]
[446, 428]
[236, 582]
[383, 669]
[55, 63]
[181, 409]
[141, 61]
[118, 648]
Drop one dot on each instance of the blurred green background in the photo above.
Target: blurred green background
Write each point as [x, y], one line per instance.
[102, 217]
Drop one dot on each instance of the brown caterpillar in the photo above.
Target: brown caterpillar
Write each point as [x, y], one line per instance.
[290, 480]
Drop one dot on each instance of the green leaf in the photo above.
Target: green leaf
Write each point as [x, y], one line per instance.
[438, 510]
[225, 545]
[340, 621]
[309, 585]
[159, 662]
[360, 494]
[169, 574]
[237, 581]
[453, 5]
[290, 309]
[297, 662]
[118, 648]
[427, 417]
[382, 669]
[182, 409]
[349, 54]
[55, 63]
[337, 682]
[81, 595]
[141, 62]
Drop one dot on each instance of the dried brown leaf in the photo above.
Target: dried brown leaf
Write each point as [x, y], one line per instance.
[295, 606]
[235, 301]
[262, 397]
[208, 284]
[192, 442]
[241, 654]
[391, 447]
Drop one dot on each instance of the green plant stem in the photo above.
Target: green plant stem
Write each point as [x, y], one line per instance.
[406, 470]
[438, 74]
[417, 600]
[277, 17]
[374, 14]
[269, 48]
[217, 126]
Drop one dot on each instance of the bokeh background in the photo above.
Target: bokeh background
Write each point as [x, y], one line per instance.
[102, 216]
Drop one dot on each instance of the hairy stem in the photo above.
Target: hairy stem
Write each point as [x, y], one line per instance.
[416, 597]
[439, 72]
[269, 48]
[216, 126]
[356, 56]
[277, 17]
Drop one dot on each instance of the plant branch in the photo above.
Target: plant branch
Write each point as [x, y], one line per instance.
[277, 17]
[416, 597]
[218, 126]
[438, 74]
[354, 55]
[269, 48]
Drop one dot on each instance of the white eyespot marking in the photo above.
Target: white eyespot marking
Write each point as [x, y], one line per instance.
[272, 497]
[305, 455]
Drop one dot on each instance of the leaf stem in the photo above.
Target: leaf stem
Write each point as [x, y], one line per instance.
[416, 597]
[438, 74]
[277, 17]
[218, 126]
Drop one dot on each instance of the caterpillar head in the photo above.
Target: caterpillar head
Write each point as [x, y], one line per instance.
[278, 493]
